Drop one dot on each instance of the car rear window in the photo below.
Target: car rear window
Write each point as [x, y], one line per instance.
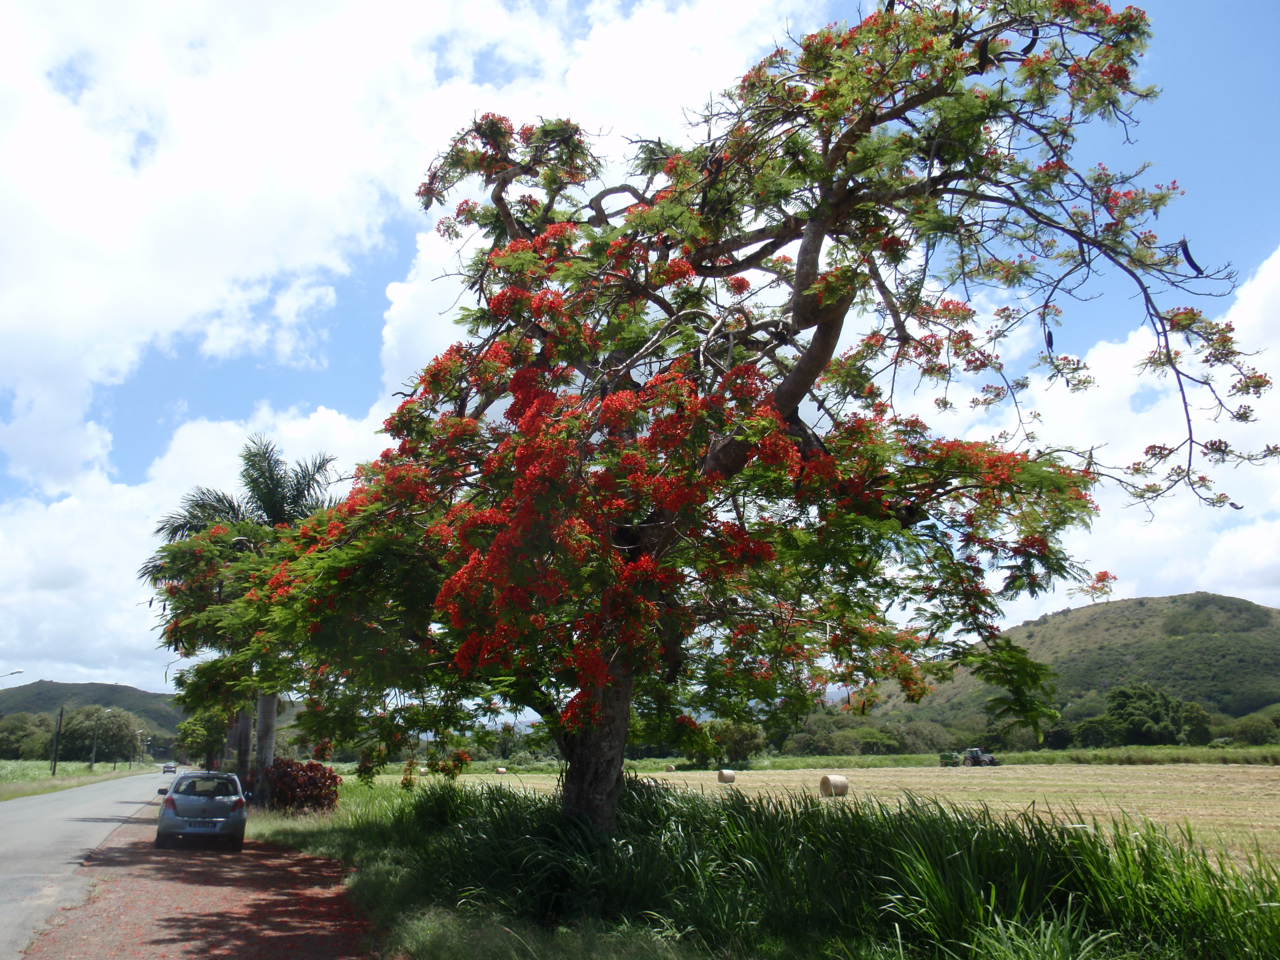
[206, 787]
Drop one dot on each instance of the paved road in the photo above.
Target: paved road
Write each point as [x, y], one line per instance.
[43, 840]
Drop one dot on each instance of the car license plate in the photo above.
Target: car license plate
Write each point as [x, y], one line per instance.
[201, 824]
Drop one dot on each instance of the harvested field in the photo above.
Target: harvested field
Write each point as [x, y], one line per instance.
[1231, 806]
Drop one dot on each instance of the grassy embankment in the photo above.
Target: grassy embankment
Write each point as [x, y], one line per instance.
[483, 870]
[25, 778]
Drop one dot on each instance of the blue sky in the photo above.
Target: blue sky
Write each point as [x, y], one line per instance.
[210, 231]
[175, 382]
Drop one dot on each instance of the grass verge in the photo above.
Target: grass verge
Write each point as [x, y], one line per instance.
[482, 870]
[26, 778]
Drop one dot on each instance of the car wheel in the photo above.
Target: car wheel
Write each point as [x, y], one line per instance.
[162, 842]
[234, 844]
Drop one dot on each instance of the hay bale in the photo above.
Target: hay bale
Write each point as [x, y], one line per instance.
[833, 785]
[726, 776]
[671, 768]
[500, 770]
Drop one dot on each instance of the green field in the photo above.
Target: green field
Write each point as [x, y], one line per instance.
[24, 778]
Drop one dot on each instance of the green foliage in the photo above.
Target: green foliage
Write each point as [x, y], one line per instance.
[830, 731]
[25, 736]
[1125, 756]
[1206, 614]
[1099, 732]
[1064, 937]
[723, 742]
[1194, 724]
[1058, 737]
[1255, 730]
[508, 740]
[115, 732]
[865, 739]
[1144, 715]
[1143, 756]
[1025, 686]
[203, 735]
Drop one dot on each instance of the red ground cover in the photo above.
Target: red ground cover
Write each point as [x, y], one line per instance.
[263, 904]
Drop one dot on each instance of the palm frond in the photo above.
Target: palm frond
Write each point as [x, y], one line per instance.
[152, 570]
[266, 480]
[201, 508]
[308, 481]
[318, 503]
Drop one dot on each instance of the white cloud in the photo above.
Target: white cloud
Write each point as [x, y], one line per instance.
[172, 165]
[292, 309]
[212, 171]
[419, 321]
[72, 608]
[1181, 544]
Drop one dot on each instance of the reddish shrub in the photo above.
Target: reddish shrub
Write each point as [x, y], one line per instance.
[295, 787]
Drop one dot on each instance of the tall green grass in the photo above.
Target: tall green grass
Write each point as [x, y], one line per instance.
[781, 876]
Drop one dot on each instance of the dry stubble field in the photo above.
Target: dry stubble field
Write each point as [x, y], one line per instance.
[1231, 806]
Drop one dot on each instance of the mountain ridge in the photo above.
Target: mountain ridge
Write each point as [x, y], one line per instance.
[157, 710]
[1222, 652]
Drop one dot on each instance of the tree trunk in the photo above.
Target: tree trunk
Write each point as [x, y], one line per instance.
[266, 747]
[593, 780]
[243, 736]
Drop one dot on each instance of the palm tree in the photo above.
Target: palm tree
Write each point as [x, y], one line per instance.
[273, 493]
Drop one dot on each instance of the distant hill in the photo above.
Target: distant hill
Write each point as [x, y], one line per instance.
[46, 696]
[1222, 652]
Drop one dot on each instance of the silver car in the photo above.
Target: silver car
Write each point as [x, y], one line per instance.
[203, 804]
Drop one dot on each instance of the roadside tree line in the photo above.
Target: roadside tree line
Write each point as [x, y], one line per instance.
[109, 734]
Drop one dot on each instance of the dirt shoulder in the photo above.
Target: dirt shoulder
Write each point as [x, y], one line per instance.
[194, 901]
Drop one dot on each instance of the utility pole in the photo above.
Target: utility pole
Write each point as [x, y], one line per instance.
[93, 753]
[57, 735]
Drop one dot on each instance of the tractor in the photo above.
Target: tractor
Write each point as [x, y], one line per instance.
[972, 757]
[975, 757]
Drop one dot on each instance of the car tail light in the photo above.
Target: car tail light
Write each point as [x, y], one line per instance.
[238, 805]
[170, 804]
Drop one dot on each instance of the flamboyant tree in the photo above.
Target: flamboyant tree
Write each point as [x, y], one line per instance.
[651, 480]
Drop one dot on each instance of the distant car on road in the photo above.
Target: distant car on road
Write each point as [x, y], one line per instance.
[170, 768]
[203, 804]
